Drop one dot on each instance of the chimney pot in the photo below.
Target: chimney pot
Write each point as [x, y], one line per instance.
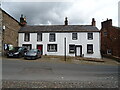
[23, 20]
[66, 21]
[93, 22]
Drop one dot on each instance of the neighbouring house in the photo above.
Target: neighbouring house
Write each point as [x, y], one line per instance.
[70, 40]
[9, 28]
[110, 39]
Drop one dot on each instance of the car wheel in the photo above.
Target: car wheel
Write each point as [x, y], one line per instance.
[20, 56]
[7, 56]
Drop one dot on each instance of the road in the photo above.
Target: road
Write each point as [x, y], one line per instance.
[56, 71]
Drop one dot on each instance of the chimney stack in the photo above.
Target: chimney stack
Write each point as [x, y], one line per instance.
[23, 20]
[107, 23]
[66, 21]
[93, 22]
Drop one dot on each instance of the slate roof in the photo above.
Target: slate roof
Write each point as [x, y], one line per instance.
[117, 27]
[59, 28]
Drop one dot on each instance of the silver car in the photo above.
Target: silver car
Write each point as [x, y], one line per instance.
[33, 54]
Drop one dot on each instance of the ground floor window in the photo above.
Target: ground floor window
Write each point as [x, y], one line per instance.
[71, 48]
[90, 48]
[52, 48]
[28, 46]
[109, 51]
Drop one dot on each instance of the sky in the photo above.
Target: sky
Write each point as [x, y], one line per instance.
[53, 12]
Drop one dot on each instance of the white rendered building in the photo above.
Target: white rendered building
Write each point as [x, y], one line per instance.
[70, 40]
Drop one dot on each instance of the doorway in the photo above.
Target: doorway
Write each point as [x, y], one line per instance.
[78, 50]
[40, 47]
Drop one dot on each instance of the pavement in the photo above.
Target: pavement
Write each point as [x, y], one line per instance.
[75, 60]
[57, 73]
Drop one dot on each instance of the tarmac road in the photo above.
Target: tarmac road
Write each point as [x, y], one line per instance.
[56, 71]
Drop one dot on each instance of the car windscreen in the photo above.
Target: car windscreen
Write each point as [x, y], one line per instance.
[33, 51]
[16, 49]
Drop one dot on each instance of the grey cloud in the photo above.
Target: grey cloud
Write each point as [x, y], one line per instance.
[38, 12]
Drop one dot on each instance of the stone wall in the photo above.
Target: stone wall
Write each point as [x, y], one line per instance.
[0, 31]
[10, 34]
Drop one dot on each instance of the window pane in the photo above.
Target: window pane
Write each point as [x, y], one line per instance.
[39, 36]
[105, 33]
[90, 36]
[52, 47]
[74, 36]
[71, 48]
[89, 48]
[52, 37]
[27, 37]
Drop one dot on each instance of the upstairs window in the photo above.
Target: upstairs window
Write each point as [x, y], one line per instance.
[105, 33]
[39, 36]
[90, 36]
[52, 48]
[27, 37]
[90, 48]
[52, 37]
[71, 48]
[74, 36]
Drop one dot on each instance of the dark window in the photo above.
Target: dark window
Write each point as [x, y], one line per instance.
[27, 37]
[52, 48]
[89, 48]
[71, 48]
[90, 36]
[109, 51]
[52, 37]
[28, 46]
[74, 36]
[39, 36]
[105, 33]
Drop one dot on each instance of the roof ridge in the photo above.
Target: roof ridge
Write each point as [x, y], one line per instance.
[10, 15]
[59, 25]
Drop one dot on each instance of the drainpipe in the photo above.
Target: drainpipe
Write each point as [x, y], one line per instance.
[65, 48]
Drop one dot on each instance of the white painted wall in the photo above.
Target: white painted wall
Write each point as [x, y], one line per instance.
[119, 14]
[82, 40]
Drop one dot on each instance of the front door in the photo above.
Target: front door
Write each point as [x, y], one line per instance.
[78, 51]
[40, 47]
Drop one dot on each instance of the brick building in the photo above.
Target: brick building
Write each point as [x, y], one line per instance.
[9, 29]
[110, 39]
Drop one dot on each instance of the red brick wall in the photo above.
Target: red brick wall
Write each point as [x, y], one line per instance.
[111, 41]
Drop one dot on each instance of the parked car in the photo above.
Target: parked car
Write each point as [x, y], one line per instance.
[17, 52]
[32, 54]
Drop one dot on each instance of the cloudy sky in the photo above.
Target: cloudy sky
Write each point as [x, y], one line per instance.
[44, 12]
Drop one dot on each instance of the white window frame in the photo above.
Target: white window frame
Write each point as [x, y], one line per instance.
[52, 37]
[74, 36]
[52, 47]
[39, 36]
[90, 35]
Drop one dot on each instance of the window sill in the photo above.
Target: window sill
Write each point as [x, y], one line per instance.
[71, 52]
[52, 51]
[39, 41]
[51, 41]
[90, 52]
[90, 39]
[26, 41]
[74, 39]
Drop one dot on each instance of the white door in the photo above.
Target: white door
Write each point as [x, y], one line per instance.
[78, 51]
